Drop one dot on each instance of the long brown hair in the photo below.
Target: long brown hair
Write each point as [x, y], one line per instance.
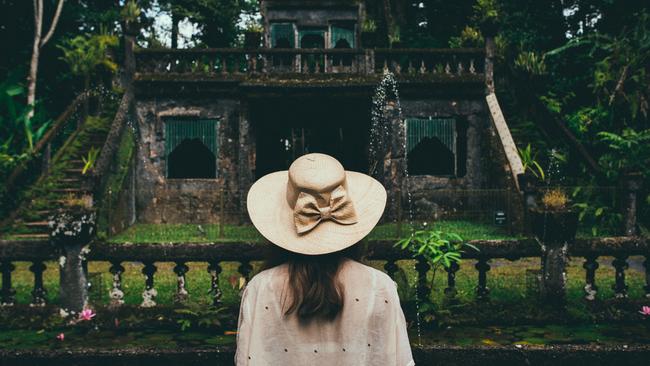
[313, 287]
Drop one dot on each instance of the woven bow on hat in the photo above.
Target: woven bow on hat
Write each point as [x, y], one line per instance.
[307, 214]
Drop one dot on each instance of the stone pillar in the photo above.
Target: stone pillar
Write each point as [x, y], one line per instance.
[554, 231]
[489, 64]
[630, 186]
[246, 158]
[553, 281]
[72, 233]
[394, 162]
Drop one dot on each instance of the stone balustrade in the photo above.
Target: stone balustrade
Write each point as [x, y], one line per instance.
[38, 252]
[238, 63]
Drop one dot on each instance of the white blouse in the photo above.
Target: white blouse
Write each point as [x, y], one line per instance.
[369, 330]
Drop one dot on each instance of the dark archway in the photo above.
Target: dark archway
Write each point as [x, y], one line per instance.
[191, 159]
[282, 60]
[312, 41]
[431, 157]
[342, 60]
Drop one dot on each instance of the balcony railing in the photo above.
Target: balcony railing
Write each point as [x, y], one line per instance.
[233, 63]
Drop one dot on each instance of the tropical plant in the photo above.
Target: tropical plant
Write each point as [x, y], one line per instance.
[253, 26]
[200, 316]
[555, 199]
[394, 36]
[486, 14]
[628, 151]
[84, 54]
[594, 211]
[89, 160]
[469, 37]
[131, 11]
[439, 249]
[531, 63]
[530, 163]
[368, 25]
[18, 131]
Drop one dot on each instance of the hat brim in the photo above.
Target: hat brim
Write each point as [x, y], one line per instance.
[271, 214]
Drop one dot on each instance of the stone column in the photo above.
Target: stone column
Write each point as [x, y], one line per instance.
[246, 158]
[394, 162]
[554, 231]
[490, 47]
[72, 233]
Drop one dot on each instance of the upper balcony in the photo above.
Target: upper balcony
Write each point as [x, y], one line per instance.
[297, 67]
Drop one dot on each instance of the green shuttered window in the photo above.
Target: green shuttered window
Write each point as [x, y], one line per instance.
[282, 30]
[342, 33]
[179, 130]
[431, 146]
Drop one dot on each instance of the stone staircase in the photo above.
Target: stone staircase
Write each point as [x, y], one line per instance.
[61, 187]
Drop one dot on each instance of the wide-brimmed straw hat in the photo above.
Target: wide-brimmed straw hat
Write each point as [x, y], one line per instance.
[315, 207]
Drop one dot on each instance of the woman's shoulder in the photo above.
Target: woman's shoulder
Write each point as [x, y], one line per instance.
[368, 275]
[268, 276]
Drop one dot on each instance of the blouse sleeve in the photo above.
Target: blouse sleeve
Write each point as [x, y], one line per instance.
[244, 325]
[404, 356]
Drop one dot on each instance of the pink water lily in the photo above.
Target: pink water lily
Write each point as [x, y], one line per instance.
[87, 314]
[60, 337]
[645, 310]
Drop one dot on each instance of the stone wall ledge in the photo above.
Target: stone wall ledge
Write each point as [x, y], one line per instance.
[27, 250]
[593, 355]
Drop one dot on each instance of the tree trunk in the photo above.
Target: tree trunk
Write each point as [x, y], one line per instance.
[175, 20]
[36, 48]
[39, 42]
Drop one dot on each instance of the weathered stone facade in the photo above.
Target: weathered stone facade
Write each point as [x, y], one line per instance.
[162, 200]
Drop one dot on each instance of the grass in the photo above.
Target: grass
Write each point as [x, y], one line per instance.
[197, 233]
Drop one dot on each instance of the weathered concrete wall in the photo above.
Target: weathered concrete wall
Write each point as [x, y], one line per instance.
[162, 200]
[483, 162]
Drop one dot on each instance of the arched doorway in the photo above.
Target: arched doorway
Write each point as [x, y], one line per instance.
[191, 159]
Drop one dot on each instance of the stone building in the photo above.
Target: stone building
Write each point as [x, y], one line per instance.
[211, 121]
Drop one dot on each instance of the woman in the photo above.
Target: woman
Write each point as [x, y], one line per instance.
[318, 306]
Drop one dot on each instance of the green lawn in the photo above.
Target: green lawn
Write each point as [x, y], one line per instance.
[196, 233]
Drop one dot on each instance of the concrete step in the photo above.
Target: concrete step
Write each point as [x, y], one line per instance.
[70, 180]
[36, 224]
[73, 190]
[31, 236]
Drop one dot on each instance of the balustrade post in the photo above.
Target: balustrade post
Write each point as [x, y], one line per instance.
[422, 267]
[38, 293]
[71, 233]
[450, 290]
[620, 265]
[149, 294]
[482, 290]
[215, 269]
[391, 268]
[7, 294]
[116, 294]
[245, 270]
[553, 271]
[182, 294]
[590, 266]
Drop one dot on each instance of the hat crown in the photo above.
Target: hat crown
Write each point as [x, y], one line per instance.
[317, 173]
